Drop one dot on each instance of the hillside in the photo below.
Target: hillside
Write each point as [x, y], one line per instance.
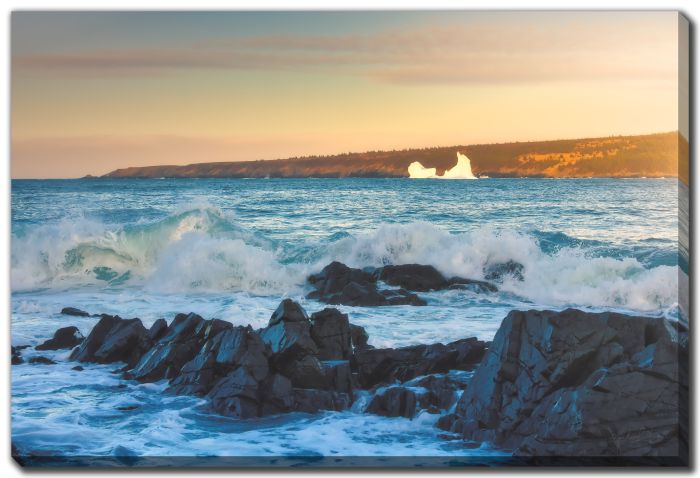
[653, 155]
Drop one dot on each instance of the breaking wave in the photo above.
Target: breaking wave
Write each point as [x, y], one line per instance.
[203, 249]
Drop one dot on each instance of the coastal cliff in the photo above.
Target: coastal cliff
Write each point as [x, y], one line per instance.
[654, 155]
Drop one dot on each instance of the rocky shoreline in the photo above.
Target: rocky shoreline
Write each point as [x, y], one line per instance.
[551, 384]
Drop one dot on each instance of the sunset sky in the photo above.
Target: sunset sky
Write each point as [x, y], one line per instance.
[92, 92]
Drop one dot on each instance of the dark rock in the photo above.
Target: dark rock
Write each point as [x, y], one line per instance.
[395, 401]
[74, 312]
[229, 349]
[236, 395]
[16, 356]
[414, 277]
[114, 339]
[182, 341]
[358, 336]
[338, 376]
[313, 401]
[41, 360]
[435, 393]
[331, 331]
[497, 272]
[276, 393]
[306, 372]
[288, 311]
[289, 341]
[477, 286]
[64, 338]
[375, 366]
[573, 383]
[340, 284]
[127, 408]
[78, 368]
[157, 330]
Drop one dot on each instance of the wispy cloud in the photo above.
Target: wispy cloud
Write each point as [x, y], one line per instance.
[475, 53]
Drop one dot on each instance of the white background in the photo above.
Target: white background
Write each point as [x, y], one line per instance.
[7, 466]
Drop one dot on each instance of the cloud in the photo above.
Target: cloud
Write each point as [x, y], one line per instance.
[636, 48]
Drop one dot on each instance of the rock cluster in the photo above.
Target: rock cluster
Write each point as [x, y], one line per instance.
[340, 284]
[573, 383]
[297, 363]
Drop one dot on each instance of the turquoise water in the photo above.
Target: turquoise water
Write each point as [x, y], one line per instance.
[231, 249]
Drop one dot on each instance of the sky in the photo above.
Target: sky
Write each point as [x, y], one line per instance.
[95, 91]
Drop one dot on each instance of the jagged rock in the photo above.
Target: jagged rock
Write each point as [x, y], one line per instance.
[16, 356]
[114, 339]
[236, 395]
[497, 272]
[424, 278]
[229, 349]
[288, 311]
[41, 360]
[478, 286]
[338, 376]
[414, 277]
[573, 383]
[376, 366]
[276, 391]
[182, 341]
[64, 338]
[340, 284]
[306, 372]
[74, 312]
[331, 331]
[313, 401]
[157, 330]
[289, 341]
[433, 393]
[395, 401]
[358, 336]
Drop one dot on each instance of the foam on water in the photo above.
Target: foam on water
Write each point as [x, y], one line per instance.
[203, 250]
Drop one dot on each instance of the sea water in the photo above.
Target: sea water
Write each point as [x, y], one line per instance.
[233, 248]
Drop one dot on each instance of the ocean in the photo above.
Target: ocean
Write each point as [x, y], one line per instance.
[233, 248]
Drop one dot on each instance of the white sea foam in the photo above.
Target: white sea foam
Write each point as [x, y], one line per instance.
[203, 250]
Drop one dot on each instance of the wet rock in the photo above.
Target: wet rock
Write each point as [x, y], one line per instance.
[478, 286]
[16, 356]
[434, 393]
[376, 366]
[236, 395]
[340, 284]
[306, 372]
[497, 272]
[78, 368]
[181, 342]
[414, 277]
[288, 311]
[572, 383]
[229, 349]
[64, 338]
[358, 336]
[114, 339]
[331, 331]
[338, 376]
[157, 330]
[396, 401]
[41, 360]
[314, 401]
[74, 312]
[289, 341]
[276, 393]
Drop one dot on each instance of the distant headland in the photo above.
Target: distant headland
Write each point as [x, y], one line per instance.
[652, 155]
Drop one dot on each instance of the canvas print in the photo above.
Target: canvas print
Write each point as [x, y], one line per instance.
[349, 239]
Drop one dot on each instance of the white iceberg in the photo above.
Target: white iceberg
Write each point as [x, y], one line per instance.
[461, 170]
